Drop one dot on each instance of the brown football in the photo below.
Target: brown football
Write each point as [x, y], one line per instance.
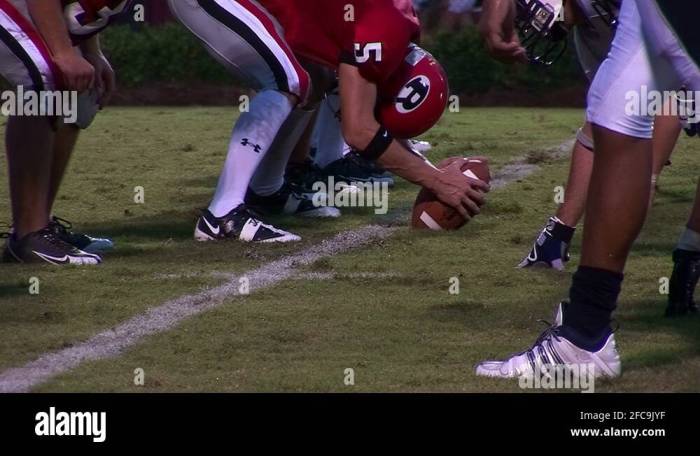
[431, 213]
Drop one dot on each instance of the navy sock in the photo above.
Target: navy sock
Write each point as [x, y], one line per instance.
[593, 298]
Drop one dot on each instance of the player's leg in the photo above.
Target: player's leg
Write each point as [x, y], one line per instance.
[667, 129]
[686, 266]
[615, 211]
[246, 40]
[302, 173]
[551, 248]
[330, 138]
[25, 61]
[28, 141]
[268, 192]
[65, 139]
[571, 211]
[672, 68]
[335, 157]
[665, 44]
[252, 138]
[302, 150]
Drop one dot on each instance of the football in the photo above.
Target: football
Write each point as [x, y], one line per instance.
[431, 213]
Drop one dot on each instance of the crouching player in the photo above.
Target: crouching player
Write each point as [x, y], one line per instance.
[651, 48]
[365, 42]
[51, 45]
[369, 45]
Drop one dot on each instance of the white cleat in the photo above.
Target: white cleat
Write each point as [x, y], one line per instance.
[553, 349]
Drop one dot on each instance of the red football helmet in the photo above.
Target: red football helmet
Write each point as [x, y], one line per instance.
[415, 97]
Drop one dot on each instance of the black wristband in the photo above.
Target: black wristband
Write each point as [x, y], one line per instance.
[379, 144]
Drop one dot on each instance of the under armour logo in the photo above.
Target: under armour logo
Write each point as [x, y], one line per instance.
[256, 147]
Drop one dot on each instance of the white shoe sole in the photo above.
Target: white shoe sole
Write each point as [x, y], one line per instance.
[201, 236]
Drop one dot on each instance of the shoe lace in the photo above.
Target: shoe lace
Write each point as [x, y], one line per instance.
[552, 332]
[250, 213]
[534, 353]
[50, 235]
[61, 225]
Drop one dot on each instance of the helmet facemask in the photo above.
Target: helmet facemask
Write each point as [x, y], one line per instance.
[607, 11]
[543, 32]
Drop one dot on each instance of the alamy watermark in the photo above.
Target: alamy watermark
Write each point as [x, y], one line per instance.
[40, 103]
[680, 103]
[560, 376]
[356, 194]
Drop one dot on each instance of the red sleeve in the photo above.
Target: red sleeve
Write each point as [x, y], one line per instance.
[381, 39]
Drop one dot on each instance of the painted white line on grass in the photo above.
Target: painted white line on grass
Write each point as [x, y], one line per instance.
[323, 276]
[296, 276]
[114, 341]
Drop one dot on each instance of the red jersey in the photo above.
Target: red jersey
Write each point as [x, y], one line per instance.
[372, 34]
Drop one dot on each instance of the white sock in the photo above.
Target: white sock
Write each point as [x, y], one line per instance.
[690, 240]
[330, 137]
[269, 177]
[252, 137]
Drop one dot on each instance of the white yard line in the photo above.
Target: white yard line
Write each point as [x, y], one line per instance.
[114, 341]
[299, 275]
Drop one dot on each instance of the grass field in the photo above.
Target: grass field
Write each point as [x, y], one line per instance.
[396, 325]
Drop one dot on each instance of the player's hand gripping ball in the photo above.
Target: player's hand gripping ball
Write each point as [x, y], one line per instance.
[431, 213]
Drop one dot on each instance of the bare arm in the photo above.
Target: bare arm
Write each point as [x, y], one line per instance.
[47, 15]
[358, 97]
[497, 27]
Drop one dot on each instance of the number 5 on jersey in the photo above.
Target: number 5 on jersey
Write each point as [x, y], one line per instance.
[370, 51]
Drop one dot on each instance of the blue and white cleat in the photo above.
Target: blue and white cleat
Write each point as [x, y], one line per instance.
[551, 248]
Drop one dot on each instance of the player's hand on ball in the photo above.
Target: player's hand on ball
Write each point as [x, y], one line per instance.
[78, 73]
[464, 194]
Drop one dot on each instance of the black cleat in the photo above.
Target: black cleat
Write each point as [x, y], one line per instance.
[302, 177]
[80, 241]
[684, 279]
[352, 168]
[46, 246]
[288, 202]
[240, 224]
